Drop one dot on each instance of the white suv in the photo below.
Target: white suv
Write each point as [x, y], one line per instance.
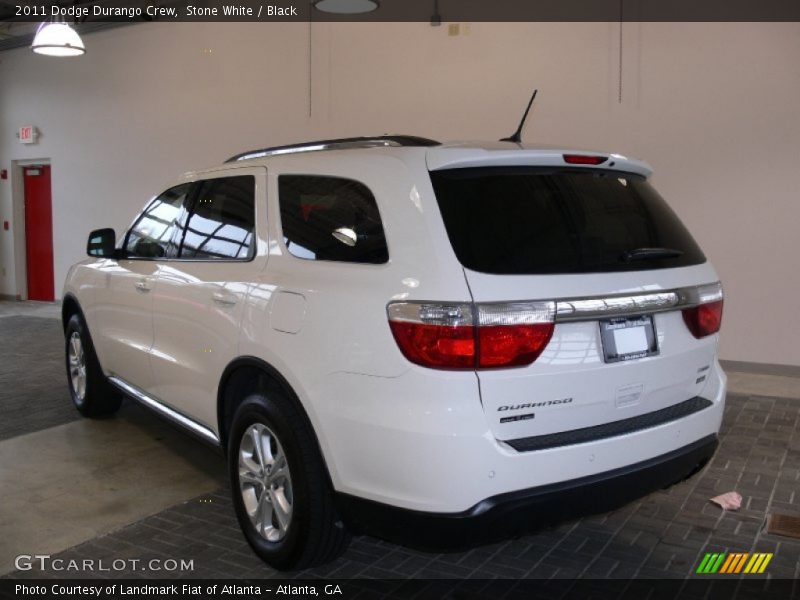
[436, 343]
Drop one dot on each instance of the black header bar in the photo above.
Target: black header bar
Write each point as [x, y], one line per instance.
[733, 588]
[449, 11]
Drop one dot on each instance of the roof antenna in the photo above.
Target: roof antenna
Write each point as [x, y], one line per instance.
[517, 137]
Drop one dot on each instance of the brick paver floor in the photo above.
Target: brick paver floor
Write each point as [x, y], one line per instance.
[33, 376]
[663, 535]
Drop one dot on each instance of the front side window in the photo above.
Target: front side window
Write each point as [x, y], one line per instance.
[221, 223]
[331, 218]
[151, 235]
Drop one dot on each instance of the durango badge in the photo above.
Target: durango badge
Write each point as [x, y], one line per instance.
[533, 404]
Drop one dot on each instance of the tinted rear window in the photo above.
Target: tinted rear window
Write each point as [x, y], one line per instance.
[331, 218]
[523, 220]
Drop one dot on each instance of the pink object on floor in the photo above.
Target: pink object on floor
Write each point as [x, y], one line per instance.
[728, 500]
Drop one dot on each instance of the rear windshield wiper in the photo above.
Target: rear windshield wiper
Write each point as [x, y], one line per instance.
[647, 253]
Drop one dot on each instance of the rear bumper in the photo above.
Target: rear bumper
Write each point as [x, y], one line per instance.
[526, 510]
[421, 443]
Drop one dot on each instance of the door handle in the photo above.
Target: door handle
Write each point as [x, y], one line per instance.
[224, 298]
[143, 285]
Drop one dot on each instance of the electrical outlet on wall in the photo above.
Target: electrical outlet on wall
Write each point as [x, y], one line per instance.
[453, 29]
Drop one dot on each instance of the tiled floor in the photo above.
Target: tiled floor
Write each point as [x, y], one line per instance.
[33, 392]
[663, 535]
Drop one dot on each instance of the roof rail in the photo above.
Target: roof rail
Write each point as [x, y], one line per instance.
[340, 144]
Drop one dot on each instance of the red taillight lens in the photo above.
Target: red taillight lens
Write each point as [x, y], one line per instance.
[583, 159]
[444, 336]
[512, 345]
[437, 335]
[437, 346]
[705, 319]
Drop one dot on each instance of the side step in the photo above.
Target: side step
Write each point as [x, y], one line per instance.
[200, 430]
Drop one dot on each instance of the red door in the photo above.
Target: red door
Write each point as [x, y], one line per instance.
[39, 233]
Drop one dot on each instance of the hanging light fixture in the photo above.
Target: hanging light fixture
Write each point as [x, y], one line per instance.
[346, 7]
[57, 39]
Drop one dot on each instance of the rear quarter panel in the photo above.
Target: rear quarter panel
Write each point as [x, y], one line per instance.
[323, 325]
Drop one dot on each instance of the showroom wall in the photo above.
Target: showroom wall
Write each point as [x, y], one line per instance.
[713, 107]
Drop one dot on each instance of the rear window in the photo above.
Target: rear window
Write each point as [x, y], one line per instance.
[331, 218]
[530, 221]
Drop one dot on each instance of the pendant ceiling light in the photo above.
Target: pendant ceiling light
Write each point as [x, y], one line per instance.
[346, 7]
[57, 39]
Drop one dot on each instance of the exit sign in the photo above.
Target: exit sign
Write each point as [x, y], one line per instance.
[27, 134]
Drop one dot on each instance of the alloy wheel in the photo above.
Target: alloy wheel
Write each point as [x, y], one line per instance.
[77, 366]
[265, 482]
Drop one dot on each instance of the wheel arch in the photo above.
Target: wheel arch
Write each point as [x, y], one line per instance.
[246, 374]
[70, 306]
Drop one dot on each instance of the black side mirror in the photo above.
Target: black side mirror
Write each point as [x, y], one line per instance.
[101, 243]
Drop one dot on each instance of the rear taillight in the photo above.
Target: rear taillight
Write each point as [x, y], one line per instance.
[467, 336]
[441, 336]
[513, 335]
[705, 318]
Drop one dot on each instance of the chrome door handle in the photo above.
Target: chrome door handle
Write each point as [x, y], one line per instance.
[224, 298]
[143, 285]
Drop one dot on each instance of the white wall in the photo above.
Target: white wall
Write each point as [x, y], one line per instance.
[713, 107]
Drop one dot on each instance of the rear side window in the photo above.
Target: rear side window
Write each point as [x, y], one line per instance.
[331, 218]
[151, 235]
[524, 220]
[221, 222]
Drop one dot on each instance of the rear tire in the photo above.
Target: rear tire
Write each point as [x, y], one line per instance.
[281, 492]
[91, 393]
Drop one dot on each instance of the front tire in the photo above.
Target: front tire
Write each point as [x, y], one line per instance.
[90, 391]
[281, 493]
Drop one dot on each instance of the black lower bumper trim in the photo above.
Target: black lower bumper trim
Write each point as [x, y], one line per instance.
[613, 429]
[523, 511]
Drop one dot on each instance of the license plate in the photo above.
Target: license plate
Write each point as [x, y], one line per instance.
[628, 338]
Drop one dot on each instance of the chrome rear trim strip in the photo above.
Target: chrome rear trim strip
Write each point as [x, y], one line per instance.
[589, 309]
[164, 410]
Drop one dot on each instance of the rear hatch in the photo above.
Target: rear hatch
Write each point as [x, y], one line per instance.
[634, 304]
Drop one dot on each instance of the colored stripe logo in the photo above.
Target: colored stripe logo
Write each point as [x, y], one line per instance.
[734, 563]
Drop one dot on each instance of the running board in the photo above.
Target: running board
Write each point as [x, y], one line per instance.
[165, 411]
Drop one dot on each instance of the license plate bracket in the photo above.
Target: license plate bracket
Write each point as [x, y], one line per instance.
[628, 338]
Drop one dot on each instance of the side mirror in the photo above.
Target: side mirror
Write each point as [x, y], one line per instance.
[101, 243]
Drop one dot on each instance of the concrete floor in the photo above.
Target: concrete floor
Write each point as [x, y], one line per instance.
[67, 484]
[132, 484]
[63, 479]
[10, 308]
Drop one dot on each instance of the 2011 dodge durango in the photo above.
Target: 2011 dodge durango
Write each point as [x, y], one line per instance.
[435, 343]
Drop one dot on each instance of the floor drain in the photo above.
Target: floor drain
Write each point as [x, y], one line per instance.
[787, 525]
